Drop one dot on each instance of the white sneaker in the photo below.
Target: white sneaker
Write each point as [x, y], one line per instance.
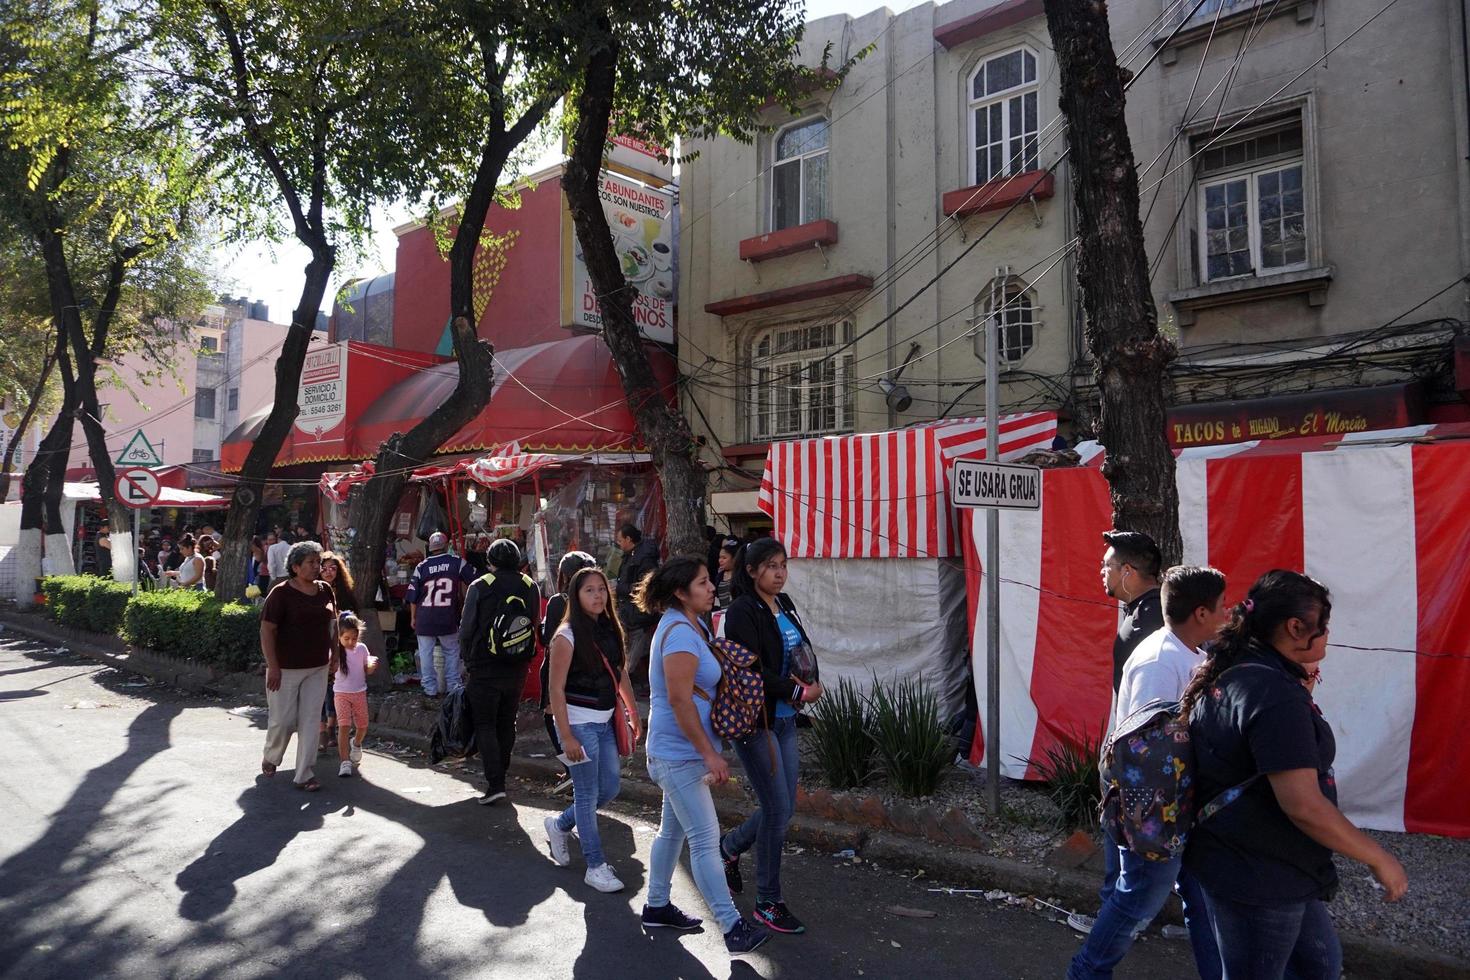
[355, 754]
[345, 769]
[556, 840]
[603, 879]
[1081, 923]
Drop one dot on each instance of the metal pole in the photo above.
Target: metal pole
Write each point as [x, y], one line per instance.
[137, 569]
[992, 574]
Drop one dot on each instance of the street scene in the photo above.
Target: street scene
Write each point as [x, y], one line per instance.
[761, 487]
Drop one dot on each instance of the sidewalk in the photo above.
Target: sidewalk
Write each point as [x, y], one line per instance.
[943, 848]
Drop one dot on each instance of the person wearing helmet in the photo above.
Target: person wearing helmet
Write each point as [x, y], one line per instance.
[556, 611]
[498, 639]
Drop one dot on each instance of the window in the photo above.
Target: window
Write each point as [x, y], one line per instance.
[1252, 204]
[1003, 130]
[232, 401]
[799, 175]
[802, 380]
[1208, 11]
[204, 403]
[209, 343]
[203, 456]
[1010, 305]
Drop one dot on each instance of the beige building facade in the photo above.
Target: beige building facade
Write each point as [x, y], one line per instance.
[1305, 188]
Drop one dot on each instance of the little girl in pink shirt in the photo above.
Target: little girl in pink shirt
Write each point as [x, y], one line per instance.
[350, 685]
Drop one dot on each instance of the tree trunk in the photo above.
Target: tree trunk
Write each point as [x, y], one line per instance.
[1130, 355]
[663, 427]
[40, 494]
[246, 498]
[25, 420]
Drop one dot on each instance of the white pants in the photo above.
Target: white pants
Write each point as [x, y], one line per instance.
[296, 707]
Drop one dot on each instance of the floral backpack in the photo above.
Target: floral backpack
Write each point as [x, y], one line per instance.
[739, 701]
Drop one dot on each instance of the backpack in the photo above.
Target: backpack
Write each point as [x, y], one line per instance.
[739, 703]
[512, 633]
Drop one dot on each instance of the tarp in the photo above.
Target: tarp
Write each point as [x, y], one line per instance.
[882, 494]
[1379, 518]
[167, 496]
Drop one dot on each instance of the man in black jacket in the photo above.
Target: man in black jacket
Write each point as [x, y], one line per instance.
[497, 677]
[640, 556]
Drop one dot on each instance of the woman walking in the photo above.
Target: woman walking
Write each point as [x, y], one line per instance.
[296, 637]
[763, 619]
[725, 573]
[1264, 751]
[588, 673]
[556, 613]
[684, 751]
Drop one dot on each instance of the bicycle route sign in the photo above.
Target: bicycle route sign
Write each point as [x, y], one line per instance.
[139, 452]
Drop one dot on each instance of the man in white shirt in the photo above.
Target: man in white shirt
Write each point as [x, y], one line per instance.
[275, 557]
[1135, 888]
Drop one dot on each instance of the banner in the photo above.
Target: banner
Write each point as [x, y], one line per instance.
[322, 394]
[641, 220]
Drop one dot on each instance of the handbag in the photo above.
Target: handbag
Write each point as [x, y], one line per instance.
[622, 719]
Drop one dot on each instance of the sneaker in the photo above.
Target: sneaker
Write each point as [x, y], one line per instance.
[668, 917]
[491, 796]
[603, 879]
[776, 917]
[744, 937]
[1081, 923]
[733, 881]
[556, 840]
[355, 754]
[345, 769]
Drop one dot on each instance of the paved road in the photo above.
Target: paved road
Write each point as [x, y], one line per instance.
[139, 841]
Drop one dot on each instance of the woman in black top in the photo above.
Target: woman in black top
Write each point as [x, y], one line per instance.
[1264, 858]
[556, 613]
[725, 573]
[588, 669]
[763, 619]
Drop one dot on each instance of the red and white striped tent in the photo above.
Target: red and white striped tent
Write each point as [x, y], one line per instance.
[882, 494]
[1379, 517]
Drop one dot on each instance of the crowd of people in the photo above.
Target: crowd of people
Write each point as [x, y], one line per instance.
[1254, 871]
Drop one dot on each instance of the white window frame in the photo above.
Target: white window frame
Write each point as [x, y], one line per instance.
[766, 423]
[1251, 173]
[1000, 291]
[972, 104]
[800, 160]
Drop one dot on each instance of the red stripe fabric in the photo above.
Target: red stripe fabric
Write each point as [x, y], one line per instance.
[973, 577]
[1255, 518]
[1072, 673]
[1437, 799]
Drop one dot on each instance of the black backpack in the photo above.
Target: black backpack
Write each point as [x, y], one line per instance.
[512, 633]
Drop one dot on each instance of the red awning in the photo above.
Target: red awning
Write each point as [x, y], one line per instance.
[561, 396]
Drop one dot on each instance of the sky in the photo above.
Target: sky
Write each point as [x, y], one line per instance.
[274, 272]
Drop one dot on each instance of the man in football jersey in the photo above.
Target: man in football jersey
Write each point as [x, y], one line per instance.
[435, 597]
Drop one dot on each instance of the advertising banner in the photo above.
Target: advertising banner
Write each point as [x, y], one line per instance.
[641, 220]
[322, 395]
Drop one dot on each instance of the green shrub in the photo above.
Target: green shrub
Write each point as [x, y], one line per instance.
[911, 741]
[1069, 769]
[196, 625]
[86, 602]
[844, 747]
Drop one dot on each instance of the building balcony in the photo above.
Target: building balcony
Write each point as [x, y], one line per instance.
[789, 241]
[999, 194]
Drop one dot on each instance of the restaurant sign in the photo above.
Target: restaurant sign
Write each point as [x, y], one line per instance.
[1340, 411]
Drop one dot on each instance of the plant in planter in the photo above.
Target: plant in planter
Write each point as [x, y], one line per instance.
[910, 738]
[844, 747]
[1069, 769]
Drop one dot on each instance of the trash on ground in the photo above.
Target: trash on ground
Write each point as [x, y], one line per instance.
[895, 944]
[1174, 932]
[846, 852]
[908, 913]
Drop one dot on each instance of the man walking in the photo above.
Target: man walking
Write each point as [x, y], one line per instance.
[1130, 573]
[434, 598]
[1135, 888]
[502, 614]
[275, 556]
[640, 556]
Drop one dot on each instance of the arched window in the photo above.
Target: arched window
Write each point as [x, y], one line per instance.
[799, 174]
[801, 380]
[1003, 129]
[1009, 305]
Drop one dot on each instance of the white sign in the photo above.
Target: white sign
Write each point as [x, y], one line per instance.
[632, 153]
[322, 394]
[139, 452]
[136, 487]
[1012, 486]
[642, 231]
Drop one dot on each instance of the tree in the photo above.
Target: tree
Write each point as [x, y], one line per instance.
[1130, 355]
[665, 71]
[27, 348]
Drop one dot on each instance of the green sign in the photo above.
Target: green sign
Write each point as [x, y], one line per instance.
[139, 452]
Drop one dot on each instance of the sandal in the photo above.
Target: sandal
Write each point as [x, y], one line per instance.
[267, 769]
[310, 786]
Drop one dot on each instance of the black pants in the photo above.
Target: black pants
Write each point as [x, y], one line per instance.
[494, 695]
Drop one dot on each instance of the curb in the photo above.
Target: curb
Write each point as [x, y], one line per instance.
[952, 862]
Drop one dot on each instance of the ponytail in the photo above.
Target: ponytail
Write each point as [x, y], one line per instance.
[752, 555]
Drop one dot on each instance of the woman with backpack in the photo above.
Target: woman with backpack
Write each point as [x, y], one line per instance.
[684, 751]
[1263, 749]
[588, 678]
[763, 619]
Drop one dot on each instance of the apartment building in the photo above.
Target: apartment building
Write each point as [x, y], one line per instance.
[1303, 178]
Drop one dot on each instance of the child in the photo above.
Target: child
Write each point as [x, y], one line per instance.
[351, 694]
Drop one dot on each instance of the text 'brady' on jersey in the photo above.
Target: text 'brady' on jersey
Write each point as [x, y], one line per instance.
[434, 588]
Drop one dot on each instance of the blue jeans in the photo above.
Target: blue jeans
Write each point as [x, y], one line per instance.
[1133, 892]
[1268, 942]
[594, 784]
[770, 763]
[428, 677]
[689, 811]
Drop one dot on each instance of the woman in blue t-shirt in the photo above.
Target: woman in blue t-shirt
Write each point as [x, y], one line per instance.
[684, 751]
[763, 619]
[1263, 749]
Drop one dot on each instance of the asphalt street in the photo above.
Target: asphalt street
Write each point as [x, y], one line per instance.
[140, 840]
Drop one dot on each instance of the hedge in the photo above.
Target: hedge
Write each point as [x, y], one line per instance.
[86, 602]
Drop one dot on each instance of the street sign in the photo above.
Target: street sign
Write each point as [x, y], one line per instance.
[136, 487]
[1010, 486]
[139, 452]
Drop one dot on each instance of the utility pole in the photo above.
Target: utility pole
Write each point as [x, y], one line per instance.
[1129, 354]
